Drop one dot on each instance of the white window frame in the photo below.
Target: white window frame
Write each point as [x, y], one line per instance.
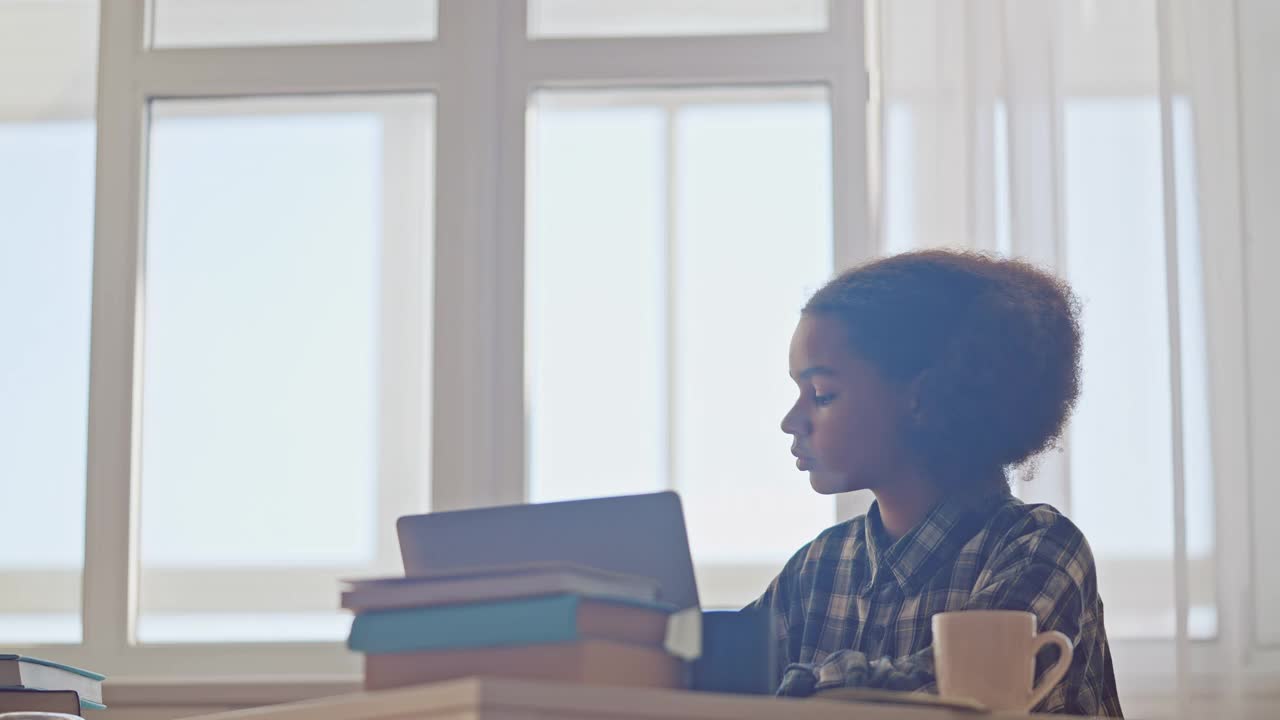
[721, 585]
[477, 345]
[478, 437]
[403, 440]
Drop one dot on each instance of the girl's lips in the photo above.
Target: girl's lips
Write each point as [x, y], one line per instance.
[803, 463]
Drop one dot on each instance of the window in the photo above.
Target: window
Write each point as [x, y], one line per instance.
[1021, 128]
[286, 296]
[1117, 449]
[335, 252]
[44, 290]
[342, 261]
[46, 250]
[660, 306]
[1119, 442]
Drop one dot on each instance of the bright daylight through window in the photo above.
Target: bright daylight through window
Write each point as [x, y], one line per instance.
[282, 271]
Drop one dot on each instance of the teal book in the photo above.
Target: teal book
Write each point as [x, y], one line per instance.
[18, 671]
[524, 621]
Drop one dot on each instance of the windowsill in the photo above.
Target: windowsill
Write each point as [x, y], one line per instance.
[223, 691]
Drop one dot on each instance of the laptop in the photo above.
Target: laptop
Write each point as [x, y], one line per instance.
[633, 534]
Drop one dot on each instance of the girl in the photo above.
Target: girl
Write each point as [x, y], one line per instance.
[923, 378]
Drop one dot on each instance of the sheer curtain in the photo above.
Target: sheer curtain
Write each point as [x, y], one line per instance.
[1096, 138]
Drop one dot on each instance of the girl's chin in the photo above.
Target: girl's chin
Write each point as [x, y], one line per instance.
[826, 482]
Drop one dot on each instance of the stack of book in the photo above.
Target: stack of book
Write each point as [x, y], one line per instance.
[31, 685]
[556, 622]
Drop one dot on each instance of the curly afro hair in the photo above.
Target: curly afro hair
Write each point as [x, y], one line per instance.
[991, 346]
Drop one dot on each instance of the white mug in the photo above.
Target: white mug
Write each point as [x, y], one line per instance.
[990, 656]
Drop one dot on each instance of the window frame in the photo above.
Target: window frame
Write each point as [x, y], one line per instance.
[475, 347]
[722, 584]
[476, 344]
[402, 393]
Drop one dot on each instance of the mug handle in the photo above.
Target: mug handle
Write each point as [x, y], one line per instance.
[1055, 671]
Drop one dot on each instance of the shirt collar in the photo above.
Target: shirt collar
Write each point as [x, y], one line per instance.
[934, 542]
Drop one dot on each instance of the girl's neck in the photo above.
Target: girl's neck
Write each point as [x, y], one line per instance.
[905, 502]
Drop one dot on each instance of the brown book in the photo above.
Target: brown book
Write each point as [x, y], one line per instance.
[591, 662]
[620, 622]
[31, 700]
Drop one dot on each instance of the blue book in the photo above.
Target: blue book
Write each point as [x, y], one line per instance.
[17, 671]
[524, 621]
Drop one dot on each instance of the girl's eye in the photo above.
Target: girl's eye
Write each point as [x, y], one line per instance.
[823, 400]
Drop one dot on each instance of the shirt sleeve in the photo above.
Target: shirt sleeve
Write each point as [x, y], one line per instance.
[781, 599]
[1047, 570]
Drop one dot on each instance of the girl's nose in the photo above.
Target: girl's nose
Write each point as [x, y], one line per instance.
[794, 423]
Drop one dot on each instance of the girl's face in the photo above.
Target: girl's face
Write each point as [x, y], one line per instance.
[844, 425]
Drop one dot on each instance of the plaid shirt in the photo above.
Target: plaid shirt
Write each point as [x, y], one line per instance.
[855, 607]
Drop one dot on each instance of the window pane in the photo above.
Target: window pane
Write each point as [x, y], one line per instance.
[631, 18]
[287, 252]
[230, 23]
[673, 237]
[47, 69]
[574, 240]
[1116, 262]
[1118, 443]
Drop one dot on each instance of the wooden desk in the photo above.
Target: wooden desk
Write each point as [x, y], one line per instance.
[501, 699]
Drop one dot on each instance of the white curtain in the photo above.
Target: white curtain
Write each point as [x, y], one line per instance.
[1098, 138]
